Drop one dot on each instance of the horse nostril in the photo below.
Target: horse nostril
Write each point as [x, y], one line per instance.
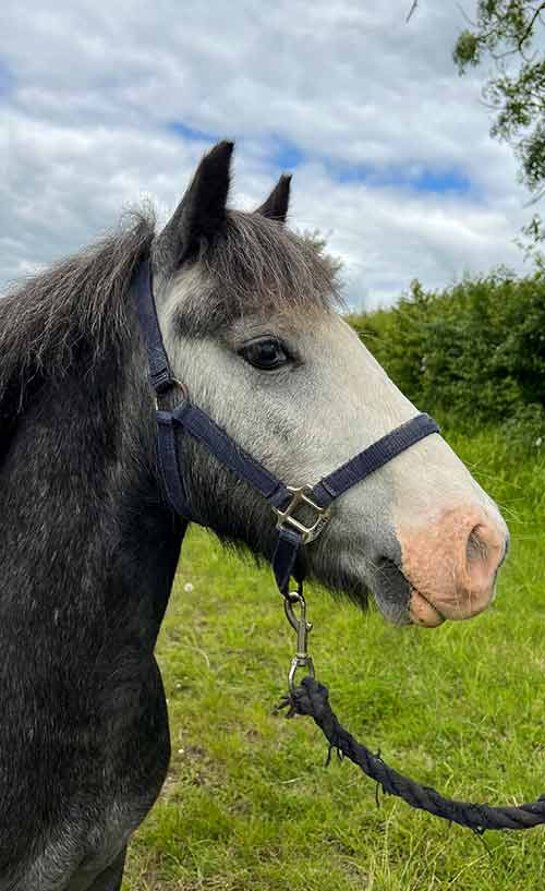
[476, 548]
[484, 553]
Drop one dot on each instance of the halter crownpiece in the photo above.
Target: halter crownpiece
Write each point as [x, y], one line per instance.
[292, 505]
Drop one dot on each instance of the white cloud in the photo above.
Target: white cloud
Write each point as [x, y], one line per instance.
[85, 131]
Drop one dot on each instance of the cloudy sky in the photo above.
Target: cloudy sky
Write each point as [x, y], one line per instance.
[105, 104]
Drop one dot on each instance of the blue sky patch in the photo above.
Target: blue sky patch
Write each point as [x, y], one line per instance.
[6, 80]
[285, 155]
[184, 131]
[425, 180]
[441, 181]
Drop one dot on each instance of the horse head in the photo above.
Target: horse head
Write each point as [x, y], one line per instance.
[247, 310]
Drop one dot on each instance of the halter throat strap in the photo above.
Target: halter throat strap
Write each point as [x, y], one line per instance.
[293, 506]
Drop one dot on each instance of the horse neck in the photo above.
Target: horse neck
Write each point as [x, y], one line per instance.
[87, 549]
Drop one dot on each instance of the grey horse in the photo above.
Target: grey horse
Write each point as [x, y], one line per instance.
[88, 547]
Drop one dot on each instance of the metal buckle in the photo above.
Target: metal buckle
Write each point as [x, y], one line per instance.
[302, 497]
[173, 384]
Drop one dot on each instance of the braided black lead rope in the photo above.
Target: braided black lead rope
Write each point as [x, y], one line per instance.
[311, 698]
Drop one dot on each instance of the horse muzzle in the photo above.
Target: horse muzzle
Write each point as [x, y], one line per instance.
[452, 564]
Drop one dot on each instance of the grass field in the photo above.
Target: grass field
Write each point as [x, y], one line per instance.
[249, 805]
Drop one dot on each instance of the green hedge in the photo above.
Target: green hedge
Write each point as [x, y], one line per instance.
[474, 353]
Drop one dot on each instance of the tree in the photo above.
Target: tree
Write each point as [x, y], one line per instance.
[511, 34]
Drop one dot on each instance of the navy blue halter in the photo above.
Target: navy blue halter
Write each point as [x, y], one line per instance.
[290, 504]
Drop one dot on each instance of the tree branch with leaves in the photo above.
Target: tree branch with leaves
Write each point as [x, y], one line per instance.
[511, 34]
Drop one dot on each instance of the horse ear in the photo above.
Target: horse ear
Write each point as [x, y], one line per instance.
[276, 205]
[201, 211]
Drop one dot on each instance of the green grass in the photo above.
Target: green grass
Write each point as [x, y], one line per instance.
[249, 805]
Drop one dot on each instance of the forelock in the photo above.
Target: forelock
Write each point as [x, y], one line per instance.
[255, 265]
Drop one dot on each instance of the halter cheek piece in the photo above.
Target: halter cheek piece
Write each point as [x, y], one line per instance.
[301, 511]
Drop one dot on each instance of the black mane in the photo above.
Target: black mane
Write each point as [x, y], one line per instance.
[67, 314]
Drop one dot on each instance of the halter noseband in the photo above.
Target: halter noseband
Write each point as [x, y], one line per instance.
[286, 501]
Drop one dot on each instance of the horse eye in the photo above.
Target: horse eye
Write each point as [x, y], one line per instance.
[265, 354]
